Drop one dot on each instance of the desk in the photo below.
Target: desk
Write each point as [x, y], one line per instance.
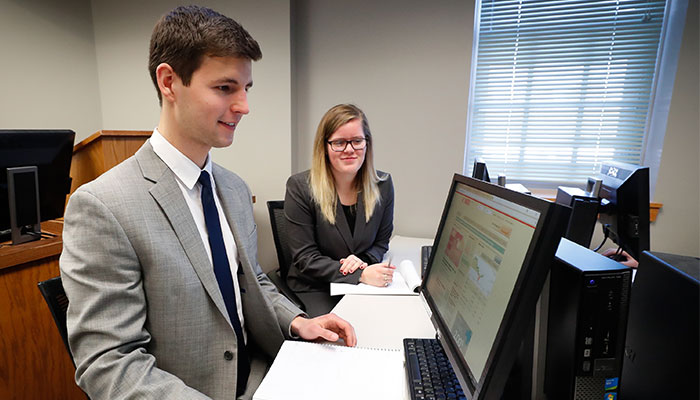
[383, 321]
[34, 363]
[380, 322]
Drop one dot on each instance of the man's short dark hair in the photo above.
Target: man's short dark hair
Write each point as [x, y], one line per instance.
[185, 35]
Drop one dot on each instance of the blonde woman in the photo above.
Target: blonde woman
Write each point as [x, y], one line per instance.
[340, 212]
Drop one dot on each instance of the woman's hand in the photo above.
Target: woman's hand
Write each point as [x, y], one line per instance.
[622, 257]
[378, 274]
[350, 264]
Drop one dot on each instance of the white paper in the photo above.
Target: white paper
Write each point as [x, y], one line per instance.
[310, 371]
[408, 272]
[405, 253]
[397, 286]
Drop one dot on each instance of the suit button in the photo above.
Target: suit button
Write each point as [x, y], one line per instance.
[228, 355]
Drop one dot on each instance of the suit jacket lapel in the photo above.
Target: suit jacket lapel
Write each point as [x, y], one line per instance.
[167, 194]
[260, 324]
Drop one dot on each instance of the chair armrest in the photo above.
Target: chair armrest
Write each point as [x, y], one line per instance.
[284, 289]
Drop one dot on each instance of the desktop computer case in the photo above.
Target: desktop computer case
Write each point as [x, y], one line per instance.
[662, 349]
[587, 322]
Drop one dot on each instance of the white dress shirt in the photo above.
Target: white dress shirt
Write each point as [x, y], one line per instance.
[187, 173]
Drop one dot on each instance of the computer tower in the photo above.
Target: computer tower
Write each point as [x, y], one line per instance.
[662, 348]
[587, 323]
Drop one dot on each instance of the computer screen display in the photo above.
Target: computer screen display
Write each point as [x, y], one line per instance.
[490, 257]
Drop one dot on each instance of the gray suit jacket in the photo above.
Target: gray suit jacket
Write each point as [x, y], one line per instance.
[317, 246]
[146, 318]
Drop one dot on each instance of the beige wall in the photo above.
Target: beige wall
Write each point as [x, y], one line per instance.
[678, 228]
[48, 66]
[406, 64]
[82, 65]
[260, 152]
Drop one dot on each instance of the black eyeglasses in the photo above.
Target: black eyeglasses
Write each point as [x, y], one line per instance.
[342, 144]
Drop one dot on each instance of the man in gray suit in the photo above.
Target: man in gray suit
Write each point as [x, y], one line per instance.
[167, 299]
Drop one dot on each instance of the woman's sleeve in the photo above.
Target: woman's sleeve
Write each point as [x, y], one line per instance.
[301, 227]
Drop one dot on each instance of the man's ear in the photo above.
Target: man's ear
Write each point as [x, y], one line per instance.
[166, 77]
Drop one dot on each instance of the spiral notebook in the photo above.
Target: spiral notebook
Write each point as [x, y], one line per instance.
[308, 371]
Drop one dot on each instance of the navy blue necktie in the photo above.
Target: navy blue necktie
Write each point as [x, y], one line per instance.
[222, 270]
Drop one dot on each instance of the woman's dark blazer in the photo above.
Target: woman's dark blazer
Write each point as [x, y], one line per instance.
[317, 246]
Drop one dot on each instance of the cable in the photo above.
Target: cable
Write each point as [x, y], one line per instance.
[605, 238]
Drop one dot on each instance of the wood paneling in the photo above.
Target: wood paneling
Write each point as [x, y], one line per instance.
[102, 151]
[34, 363]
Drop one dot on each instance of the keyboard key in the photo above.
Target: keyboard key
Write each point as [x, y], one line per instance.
[430, 374]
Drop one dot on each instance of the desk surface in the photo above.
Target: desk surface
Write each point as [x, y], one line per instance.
[383, 321]
[11, 256]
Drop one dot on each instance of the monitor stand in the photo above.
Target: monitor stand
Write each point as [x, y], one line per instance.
[23, 193]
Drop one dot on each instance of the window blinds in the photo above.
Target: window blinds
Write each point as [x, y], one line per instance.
[559, 86]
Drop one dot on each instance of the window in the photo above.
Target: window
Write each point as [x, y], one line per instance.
[559, 86]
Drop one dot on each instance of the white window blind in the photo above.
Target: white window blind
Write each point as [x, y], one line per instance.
[559, 86]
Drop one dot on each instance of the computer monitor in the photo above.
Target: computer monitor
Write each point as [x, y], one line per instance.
[490, 258]
[480, 171]
[624, 210]
[50, 151]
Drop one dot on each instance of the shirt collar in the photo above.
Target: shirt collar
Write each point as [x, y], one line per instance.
[185, 169]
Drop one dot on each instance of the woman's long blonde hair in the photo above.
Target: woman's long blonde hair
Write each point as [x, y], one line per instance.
[321, 177]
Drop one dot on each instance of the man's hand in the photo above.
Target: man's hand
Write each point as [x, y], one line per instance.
[329, 327]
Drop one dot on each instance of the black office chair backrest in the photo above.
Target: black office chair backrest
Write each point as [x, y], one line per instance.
[279, 233]
[56, 299]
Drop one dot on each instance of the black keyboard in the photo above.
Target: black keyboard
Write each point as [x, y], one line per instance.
[430, 375]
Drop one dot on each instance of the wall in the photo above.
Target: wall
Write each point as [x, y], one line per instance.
[677, 229]
[48, 66]
[82, 65]
[406, 64]
[260, 153]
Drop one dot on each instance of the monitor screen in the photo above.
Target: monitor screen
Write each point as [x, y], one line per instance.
[51, 152]
[490, 258]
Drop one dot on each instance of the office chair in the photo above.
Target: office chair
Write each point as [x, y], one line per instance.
[56, 299]
[279, 233]
[55, 296]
